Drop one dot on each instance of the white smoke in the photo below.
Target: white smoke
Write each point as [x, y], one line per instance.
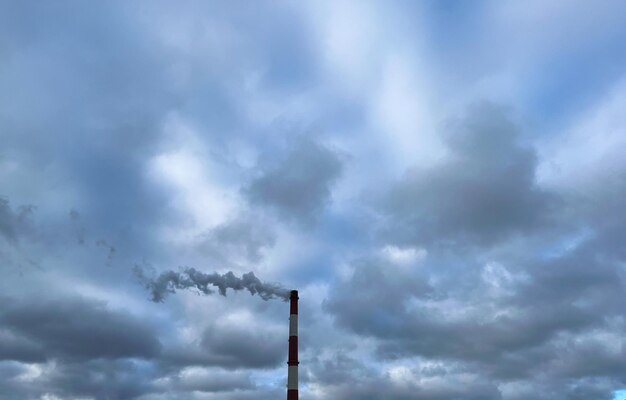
[190, 278]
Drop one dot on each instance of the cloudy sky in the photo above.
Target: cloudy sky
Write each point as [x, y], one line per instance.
[443, 182]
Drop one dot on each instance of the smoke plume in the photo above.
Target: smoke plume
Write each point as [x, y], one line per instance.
[190, 278]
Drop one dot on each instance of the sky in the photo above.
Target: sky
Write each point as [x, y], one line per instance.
[442, 181]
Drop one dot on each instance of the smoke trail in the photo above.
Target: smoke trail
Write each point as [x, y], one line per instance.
[167, 282]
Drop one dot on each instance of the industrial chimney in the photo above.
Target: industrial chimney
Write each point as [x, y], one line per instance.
[292, 371]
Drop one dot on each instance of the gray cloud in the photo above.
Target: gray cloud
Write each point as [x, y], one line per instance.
[483, 192]
[241, 238]
[298, 184]
[100, 379]
[337, 369]
[79, 346]
[509, 320]
[534, 297]
[372, 300]
[382, 389]
[209, 381]
[71, 329]
[231, 346]
[259, 348]
[15, 347]
[345, 377]
[518, 294]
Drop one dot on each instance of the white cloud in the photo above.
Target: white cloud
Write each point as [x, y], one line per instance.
[200, 195]
[404, 256]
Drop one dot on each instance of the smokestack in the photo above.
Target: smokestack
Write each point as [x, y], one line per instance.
[292, 371]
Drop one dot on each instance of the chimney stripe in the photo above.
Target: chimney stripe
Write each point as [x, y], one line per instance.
[293, 325]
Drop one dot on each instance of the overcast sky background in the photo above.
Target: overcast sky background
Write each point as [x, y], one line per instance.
[442, 181]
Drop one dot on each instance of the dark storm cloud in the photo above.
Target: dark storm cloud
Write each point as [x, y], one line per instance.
[233, 347]
[71, 329]
[483, 192]
[298, 184]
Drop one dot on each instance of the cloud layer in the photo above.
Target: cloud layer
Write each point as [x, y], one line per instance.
[442, 183]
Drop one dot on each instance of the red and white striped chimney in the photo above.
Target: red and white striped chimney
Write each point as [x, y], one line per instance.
[292, 371]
